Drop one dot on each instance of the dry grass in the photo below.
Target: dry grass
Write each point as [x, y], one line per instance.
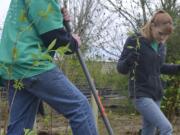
[122, 125]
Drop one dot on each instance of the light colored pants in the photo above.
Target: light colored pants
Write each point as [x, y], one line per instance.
[56, 90]
[152, 116]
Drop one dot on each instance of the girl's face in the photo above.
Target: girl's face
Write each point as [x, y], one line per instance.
[158, 34]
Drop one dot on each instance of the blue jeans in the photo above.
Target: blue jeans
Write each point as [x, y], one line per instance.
[152, 116]
[56, 90]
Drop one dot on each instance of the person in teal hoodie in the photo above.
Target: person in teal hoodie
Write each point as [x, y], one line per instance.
[30, 27]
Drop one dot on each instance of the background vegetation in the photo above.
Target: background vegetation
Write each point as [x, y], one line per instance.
[103, 27]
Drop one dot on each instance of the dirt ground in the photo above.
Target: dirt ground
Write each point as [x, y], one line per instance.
[130, 125]
[121, 124]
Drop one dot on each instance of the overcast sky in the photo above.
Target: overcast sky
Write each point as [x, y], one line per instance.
[4, 4]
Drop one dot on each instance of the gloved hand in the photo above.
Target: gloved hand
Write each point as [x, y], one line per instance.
[132, 57]
[66, 16]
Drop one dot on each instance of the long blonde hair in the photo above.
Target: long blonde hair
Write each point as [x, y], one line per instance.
[161, 19]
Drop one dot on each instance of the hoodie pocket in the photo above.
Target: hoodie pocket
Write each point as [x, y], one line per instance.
[155, 82]
[152, 82]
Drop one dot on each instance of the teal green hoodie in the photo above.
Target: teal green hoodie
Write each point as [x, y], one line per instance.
[21, 49]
